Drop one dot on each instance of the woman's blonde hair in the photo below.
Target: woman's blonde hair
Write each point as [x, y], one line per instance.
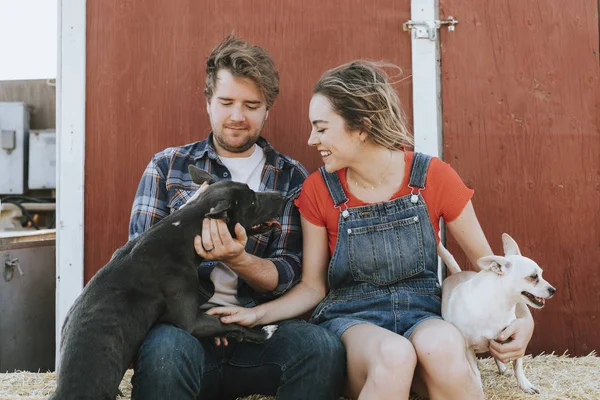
[361, 93]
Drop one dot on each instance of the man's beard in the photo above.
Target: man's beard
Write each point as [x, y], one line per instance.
[219, 137]
[250, 140]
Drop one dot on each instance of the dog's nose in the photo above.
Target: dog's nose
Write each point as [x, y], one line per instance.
[551, 290]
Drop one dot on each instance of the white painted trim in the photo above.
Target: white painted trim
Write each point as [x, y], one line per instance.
[427, 92]
[70, 120]
[426, 73]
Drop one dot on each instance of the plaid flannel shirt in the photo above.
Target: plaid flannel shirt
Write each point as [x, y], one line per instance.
[166, 185]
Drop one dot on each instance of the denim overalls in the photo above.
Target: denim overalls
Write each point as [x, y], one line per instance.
[384, 267]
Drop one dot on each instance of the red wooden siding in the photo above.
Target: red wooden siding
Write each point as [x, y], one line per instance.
[521, 112]
[145, 81]
[521, 98]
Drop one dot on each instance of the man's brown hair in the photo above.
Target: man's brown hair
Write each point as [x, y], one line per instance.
[245, 61]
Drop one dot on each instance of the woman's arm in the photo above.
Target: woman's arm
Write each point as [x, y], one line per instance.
[301, 298]
[469, 235]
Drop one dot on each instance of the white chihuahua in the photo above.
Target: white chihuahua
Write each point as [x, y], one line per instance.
[481, 304]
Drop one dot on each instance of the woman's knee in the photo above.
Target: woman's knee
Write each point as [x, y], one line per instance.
[396, 355]
[392, 367]
[440, 345]
[443, 365]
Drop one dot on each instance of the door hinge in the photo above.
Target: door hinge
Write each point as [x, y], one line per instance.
[428, 29]
[10, 264]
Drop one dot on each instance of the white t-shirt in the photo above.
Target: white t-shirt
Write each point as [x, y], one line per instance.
[246, 170]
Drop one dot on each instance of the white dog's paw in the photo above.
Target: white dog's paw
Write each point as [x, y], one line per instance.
[502, 370]
[270, 330]
[528, 387]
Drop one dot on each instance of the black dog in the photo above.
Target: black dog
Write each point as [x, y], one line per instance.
[151, 279]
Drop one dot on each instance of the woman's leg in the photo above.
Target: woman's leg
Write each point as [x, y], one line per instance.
[442, 362]
[380, 363]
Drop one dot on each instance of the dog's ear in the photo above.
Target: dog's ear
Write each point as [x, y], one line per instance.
[495, 264]
[510, 246]
[220, 211]
[200, 176]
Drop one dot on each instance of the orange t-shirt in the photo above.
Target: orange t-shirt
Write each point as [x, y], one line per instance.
[445, 194]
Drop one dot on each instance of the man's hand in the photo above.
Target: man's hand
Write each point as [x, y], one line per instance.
[216, 243]
[520, 331]
[239, 315]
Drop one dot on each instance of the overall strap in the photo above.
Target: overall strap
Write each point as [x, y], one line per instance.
[334, 185]
[418, 170]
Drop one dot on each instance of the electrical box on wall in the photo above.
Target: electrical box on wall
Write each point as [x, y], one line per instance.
[14, 131]
[42, 159]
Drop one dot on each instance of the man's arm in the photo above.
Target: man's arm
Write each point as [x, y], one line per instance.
[301, 298]
[280, 268]
[260, 274]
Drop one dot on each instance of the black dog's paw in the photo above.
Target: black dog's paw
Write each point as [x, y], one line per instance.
[252, 335]
[237, 336]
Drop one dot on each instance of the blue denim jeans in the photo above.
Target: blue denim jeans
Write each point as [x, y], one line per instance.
[300, 361]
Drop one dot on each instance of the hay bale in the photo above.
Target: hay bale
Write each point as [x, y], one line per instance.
[557, 377]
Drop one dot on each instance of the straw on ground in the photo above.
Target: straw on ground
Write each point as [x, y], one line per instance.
[557, 377]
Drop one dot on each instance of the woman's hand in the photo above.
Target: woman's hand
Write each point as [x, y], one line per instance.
[240, 315]
[520, 331]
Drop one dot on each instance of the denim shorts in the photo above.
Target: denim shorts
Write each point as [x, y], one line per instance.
[398, 308]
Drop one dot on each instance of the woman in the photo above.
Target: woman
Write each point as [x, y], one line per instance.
[370, 221]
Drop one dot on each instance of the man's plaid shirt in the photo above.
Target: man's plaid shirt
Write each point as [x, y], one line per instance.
[166, 185]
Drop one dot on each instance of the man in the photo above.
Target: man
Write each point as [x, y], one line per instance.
[301, 361]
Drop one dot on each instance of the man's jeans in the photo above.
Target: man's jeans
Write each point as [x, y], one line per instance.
[301, 361]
